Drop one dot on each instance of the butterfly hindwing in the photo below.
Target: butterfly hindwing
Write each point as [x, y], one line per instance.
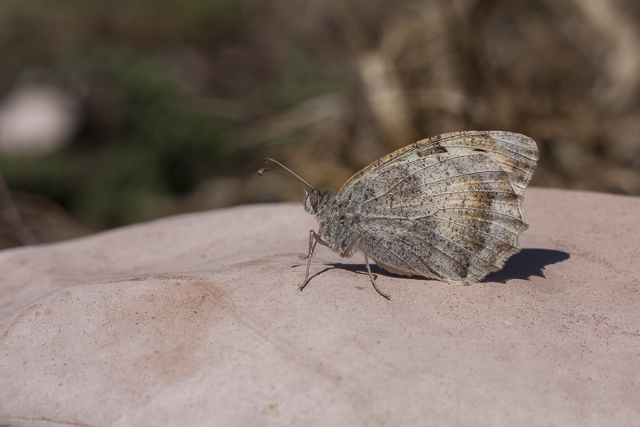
[449, 207]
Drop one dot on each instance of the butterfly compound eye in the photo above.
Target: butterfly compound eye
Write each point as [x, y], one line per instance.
[307, 203]
[311, 201]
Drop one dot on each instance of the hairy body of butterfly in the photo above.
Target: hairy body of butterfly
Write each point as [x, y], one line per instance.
[447, 208]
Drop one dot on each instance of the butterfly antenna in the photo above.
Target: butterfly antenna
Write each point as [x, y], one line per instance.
[292, 176]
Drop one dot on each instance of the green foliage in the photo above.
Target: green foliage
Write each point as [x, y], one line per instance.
[153, 145]
[166, 147]
[163, 148]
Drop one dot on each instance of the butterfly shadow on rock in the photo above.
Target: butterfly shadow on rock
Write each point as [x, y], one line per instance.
[362, 269]
[527, 263]
[523, 265]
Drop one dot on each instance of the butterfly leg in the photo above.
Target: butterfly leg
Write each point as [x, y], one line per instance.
[373, 282]
[314, 239]
[347, 252]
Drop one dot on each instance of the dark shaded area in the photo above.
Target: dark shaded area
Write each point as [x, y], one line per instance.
[361, 269]
[523, 265]
[375, 270]
[527, 263]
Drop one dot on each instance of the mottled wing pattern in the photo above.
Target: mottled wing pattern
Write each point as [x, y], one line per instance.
[449, 207]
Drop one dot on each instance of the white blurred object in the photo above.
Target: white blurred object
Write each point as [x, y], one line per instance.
[37, 119]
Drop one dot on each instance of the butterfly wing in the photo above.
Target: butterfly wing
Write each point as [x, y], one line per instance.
[448, 207]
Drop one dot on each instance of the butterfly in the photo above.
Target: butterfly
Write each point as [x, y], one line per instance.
[447, 207]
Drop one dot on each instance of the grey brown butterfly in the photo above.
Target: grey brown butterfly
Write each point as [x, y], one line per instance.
[447, 207]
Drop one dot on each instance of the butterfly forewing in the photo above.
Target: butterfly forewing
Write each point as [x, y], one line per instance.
[516, 153]
[448, 207]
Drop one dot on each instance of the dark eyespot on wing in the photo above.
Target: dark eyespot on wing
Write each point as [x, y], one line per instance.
[428, 150]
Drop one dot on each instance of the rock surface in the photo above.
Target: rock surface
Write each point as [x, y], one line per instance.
[197, 321]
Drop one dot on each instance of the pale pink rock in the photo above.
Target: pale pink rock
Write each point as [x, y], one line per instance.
[197, 321]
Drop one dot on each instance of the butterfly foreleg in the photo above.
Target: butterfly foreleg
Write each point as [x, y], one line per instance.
[373, 282]
[314, 239]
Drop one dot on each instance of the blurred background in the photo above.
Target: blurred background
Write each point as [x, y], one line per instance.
[114, 112]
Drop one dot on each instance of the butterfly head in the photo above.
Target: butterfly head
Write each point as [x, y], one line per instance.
[314, 200]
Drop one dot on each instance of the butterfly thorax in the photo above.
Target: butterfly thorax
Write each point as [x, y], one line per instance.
[336, 227]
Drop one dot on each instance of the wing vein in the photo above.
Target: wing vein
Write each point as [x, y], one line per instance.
[475, 219]
[470, 191]
[452, 242]
[444, 179]
[515, 152]
[479, 231]
[411, 174]
[413, 249]
[484, 210]
[377, 241]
